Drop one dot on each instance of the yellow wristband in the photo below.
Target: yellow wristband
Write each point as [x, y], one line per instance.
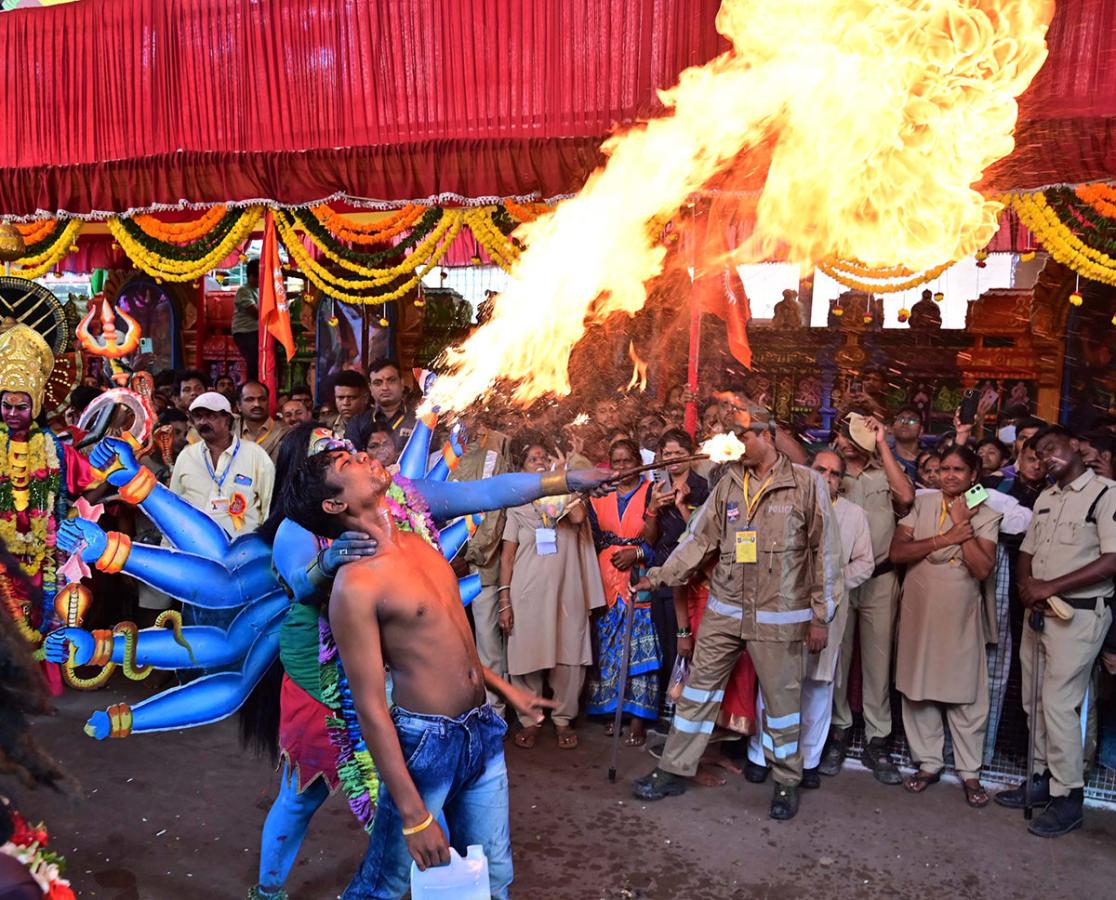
[422, 826]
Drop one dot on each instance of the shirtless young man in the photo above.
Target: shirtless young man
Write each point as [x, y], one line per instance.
[439, 749]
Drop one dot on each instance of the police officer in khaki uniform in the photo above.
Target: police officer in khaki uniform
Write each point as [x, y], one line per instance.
[876, 482]
[488, 454]
[1069, 553]
[767, 524]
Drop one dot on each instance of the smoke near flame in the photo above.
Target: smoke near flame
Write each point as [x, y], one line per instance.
[872, 118]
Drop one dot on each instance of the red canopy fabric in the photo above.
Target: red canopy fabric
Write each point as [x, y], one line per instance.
[112, 105]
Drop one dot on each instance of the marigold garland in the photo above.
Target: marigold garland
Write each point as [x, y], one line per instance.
[44, 255]
[426, 254]
[1102, 197]
[841, 276]
[525, 212]
[181, 232]
[496, 243]
[164, 268]
[33, 232]
[35, 547]
[1095, 230]
[364, 261]
[29, 845]
[1060, 242]
[378, 232]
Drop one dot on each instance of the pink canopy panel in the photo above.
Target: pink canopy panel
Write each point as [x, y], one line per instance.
[113, 105]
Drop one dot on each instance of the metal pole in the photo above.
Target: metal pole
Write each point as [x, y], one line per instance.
[626, 660]
[1037, 622]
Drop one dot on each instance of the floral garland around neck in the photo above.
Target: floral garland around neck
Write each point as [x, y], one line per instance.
[34, 547]
[28, 845]
[356, 769]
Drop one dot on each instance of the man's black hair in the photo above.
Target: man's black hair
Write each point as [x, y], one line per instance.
[165, 378]
[82, 396]
[908, 408]
[309, 489]
[679, 436]
[1033, 422]
[240, 389]
[1048, 431]
[1000, 446]
[382, 363]
[252, 269]
[301, 389]
[190, 375]
[172, 414]
[351, 378]
[1102, 440]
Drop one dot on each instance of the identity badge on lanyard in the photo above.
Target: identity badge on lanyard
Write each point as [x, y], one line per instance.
[747, 541]
[546, 538]
[218, 501]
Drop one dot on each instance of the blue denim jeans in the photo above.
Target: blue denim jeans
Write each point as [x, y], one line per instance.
[458, 767]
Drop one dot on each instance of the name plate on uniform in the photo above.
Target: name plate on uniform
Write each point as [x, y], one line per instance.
[546, 541]
[745, 546]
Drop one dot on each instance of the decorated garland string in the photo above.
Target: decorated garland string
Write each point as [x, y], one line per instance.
[181, 232]
[1060, 241]
[378, 232]
[43, 255]
[850, 273]
[169, 262]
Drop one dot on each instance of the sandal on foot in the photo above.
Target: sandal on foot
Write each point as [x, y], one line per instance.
[609, 728]
[920, 781]
[567, 738]
[527, 737]
[635, 740]
[975, 794]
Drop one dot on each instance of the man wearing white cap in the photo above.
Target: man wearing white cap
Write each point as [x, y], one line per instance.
[228, 479]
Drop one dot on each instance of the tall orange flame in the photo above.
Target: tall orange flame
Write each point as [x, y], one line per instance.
[874, 118]
[638, 380]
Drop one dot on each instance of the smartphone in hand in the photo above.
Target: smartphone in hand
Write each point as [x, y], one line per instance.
[967, 414]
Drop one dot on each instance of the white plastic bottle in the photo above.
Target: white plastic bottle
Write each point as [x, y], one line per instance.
[463, 879]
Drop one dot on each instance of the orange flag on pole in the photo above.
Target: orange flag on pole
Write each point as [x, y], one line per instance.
[275, 317]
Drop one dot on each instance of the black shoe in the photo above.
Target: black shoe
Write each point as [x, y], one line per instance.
[659, 784]
[1015, 797]
[879, 761]
[811, 780]
[1061, 816]
[836, 749]
[784, 804]
[755, 773]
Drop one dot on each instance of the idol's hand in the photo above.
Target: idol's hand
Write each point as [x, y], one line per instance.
[74, 533]
[99, 725]
[56, 648]
[351, 546]
[112, 451]
[586, 479]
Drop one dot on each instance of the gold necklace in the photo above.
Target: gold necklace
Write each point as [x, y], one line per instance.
[18, 465]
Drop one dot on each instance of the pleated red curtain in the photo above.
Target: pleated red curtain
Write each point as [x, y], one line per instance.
[116, 104]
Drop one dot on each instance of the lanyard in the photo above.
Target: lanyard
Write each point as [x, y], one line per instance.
[220, 482]
[752, 503]
[942, 517]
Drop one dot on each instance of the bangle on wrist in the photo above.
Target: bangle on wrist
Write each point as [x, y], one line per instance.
[117, 548]
[502, 588]
[422, 826]
[142, 484]
[684, 632]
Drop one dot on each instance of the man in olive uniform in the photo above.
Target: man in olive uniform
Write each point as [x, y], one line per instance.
[1069, 553]
[875, 481]
[767, 521]
[488, 454]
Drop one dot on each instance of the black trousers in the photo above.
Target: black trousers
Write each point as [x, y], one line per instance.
[248, 343]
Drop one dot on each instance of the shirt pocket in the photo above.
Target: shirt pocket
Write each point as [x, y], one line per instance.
[1076, 535]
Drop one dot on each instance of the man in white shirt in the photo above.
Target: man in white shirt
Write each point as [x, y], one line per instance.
[857, 563]
[228, 479]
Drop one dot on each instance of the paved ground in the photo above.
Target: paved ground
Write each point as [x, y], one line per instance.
[177, 816]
